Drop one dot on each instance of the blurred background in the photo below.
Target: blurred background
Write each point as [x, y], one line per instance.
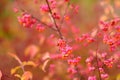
[16, 39]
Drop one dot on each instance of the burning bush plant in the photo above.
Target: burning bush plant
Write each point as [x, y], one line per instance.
[58, 47]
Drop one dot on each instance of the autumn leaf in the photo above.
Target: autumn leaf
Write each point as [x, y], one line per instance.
[19, 61]
[46, 56]
[17, 75]
[45, 65]
[27, 76]
[30, 63]
[31, 51]
[15, 69]
[15, 57]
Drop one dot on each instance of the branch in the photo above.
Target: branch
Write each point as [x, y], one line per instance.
[23, 10]
[50, 11]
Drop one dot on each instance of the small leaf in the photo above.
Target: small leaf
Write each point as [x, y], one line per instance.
[27, 76]
[30, 63]
[17, 75]
[45, 65]
[46, 56]
[15, 69]
[15, 57]
[31, 51]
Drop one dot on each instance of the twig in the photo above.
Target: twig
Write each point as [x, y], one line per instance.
[58, 30]
[23, 10]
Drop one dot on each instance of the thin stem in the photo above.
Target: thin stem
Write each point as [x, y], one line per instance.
[23, 10]
[50, 11]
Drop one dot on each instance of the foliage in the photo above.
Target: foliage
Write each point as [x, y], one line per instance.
[60, 40]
